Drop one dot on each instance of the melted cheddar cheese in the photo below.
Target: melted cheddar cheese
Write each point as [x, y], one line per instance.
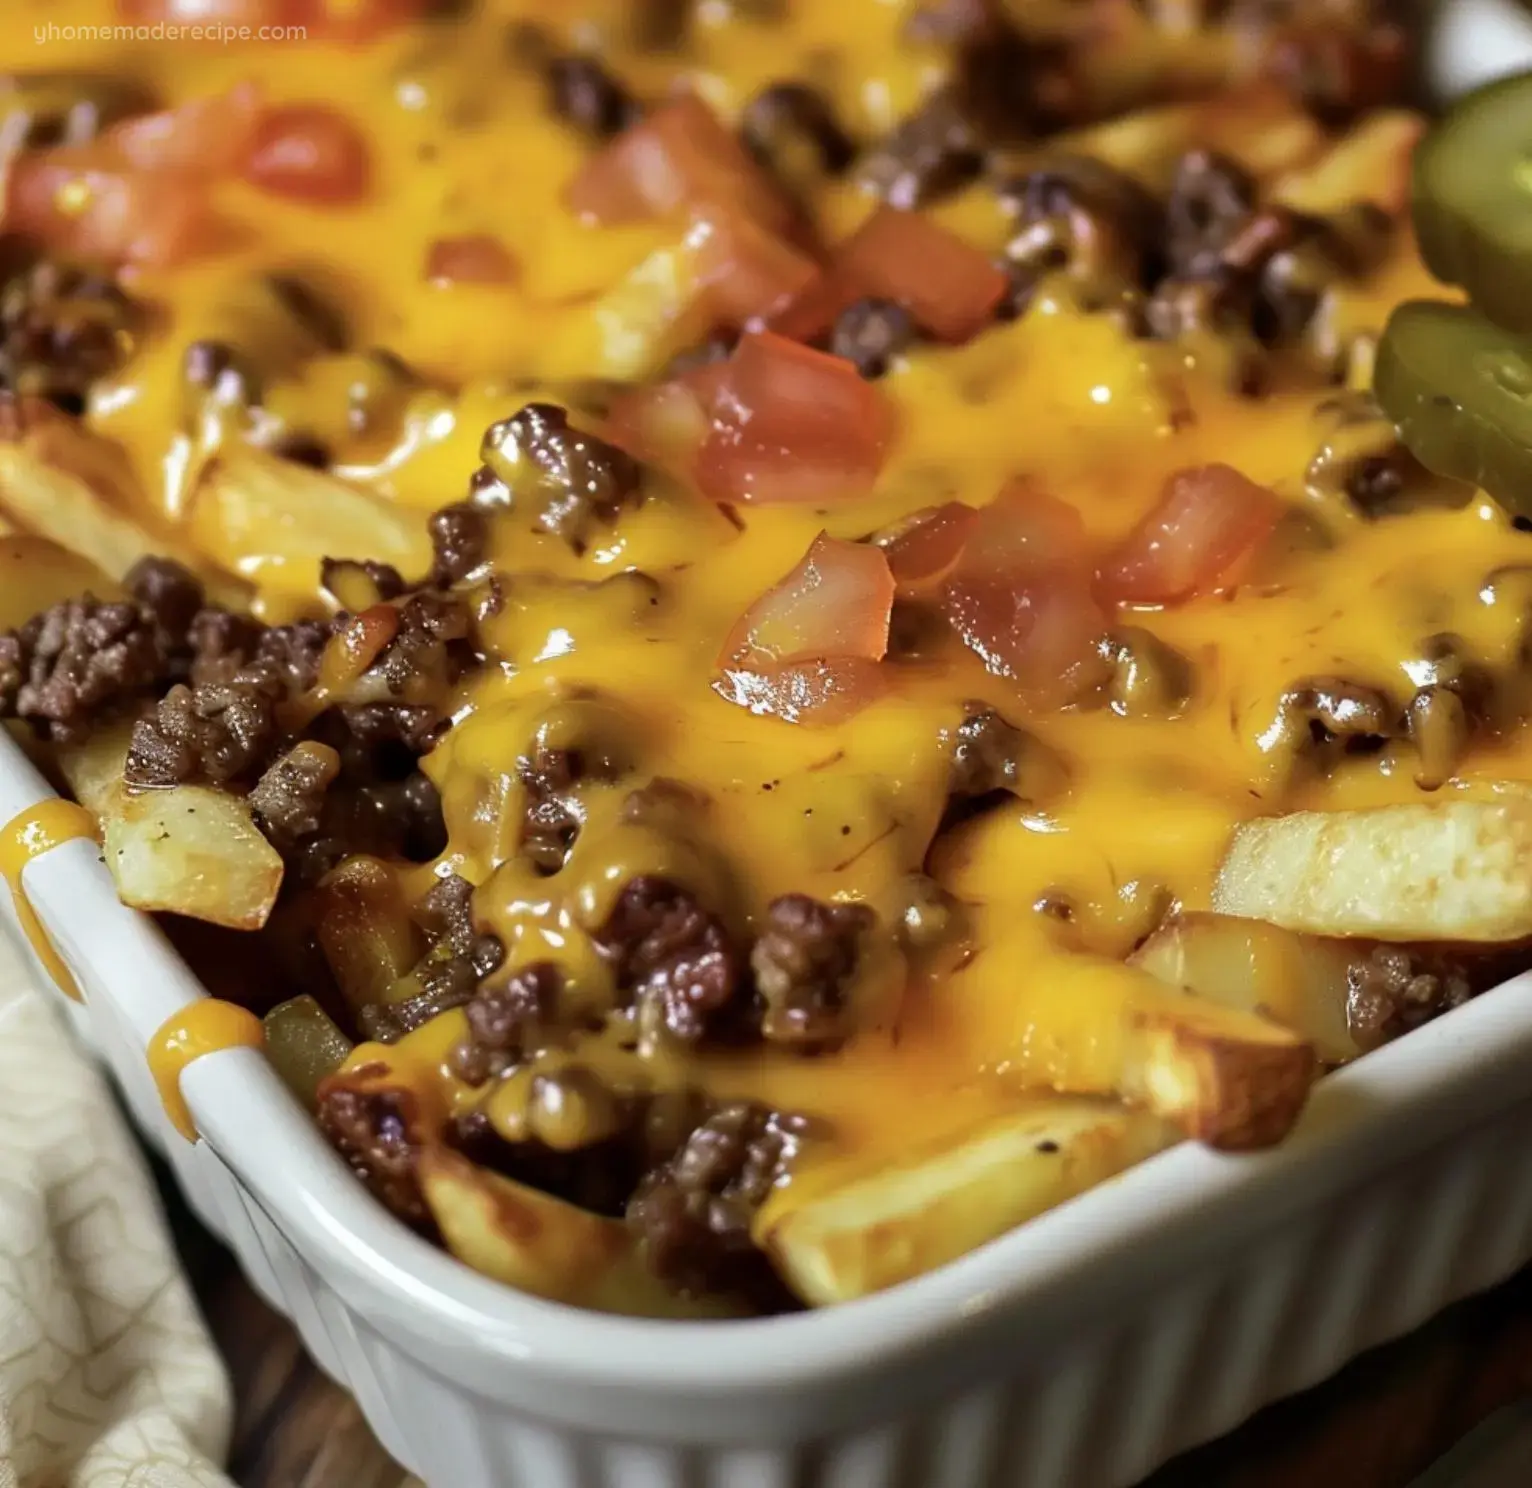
[462, 143]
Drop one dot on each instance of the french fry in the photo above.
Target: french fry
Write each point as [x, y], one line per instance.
[631, 330]
[1226, 1076]
[1458, 870]
[188, 850]
[363, 927]
[274, 520]
[62, 482]
[94, 767]
[866, 1225]
[36, 572]
[191, 851]
[1258, 127]
[1300, 981]
[1371, 163]
[541, 1245]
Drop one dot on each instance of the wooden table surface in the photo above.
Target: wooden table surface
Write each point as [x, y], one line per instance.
[1378, 1424]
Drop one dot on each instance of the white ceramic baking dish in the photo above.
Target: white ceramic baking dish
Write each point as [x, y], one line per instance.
[1080, 1351]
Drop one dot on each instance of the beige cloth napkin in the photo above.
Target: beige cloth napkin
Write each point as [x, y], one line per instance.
[107, 1377]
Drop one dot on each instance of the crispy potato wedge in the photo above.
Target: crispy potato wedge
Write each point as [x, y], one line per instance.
[188, 850]
[191, 851]
[64, 483]
[1225, 1075]
[258, 515]
[1299, 981]
[1229, 1078]
[94, 767]
[1450, 870]
[867, 1225]
[36, 572]
[539, 1244]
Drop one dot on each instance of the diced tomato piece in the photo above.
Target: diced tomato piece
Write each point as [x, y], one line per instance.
[1020, 596]
[747, 273]
[822, 692]
[929, 545]
[476, 258]
[836, 602]
[67, 200]
[680, 156]
[811, 314]
[1208, 522]
[808, 649]
[949, 286]
[309, 152]
[665, 423]
[203, 137]
[792, 424]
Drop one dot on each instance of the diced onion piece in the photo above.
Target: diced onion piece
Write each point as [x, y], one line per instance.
[836, 602]
[808, 649]
[947, 285]
[1208, 522]
[1020, 596]
[677, 157]
[476, 258]
[792, 424]
[929, 545]
[309, 152]
[747, 273]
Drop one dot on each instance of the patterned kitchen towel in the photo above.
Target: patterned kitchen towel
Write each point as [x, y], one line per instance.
[107, 1377]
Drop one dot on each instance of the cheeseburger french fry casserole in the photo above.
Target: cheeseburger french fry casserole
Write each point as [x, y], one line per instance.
[757, 639]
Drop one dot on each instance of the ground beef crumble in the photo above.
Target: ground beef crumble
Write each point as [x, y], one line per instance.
[692, 1213]
[288, 799]
[218, 732]
[567, 481]
[63, 669]
[805, 960]
[377, 1132]
[672, 956]
[1392, 989]
[503, 1019]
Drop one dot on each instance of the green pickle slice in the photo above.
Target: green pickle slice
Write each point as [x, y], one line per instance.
[1460, 391]
[1473, 199]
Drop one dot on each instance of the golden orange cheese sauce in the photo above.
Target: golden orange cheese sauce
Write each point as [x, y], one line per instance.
[201, 1028]
[28, 835]
[461, 145]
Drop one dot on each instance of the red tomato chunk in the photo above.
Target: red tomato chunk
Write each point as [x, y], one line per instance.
[792, 424]
[1020, 596]
[1208, 523]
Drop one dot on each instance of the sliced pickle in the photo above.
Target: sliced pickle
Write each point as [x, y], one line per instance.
[1460, 391]
[304, 1045]
[1473, 199]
